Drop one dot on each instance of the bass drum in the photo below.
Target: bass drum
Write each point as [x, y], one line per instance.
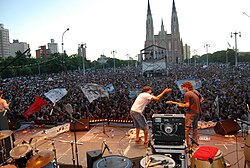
[198, 160]
[113, 162]
[21, 154]
[158, 161]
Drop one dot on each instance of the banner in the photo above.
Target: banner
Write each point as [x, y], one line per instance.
[38, 103]
[110, 88]
[93, 91]
[195, 82]
[54, 95]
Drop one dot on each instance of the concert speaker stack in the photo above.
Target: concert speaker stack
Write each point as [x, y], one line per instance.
[83, 126]
[226, 127]
[92, 156]
[168, 133]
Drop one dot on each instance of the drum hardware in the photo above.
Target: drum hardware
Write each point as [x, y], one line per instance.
[106, 147]
[41, 159]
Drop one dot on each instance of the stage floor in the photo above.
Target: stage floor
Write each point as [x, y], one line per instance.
[121, 144]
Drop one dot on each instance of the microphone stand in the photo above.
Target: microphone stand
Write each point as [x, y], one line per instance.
[73, 121]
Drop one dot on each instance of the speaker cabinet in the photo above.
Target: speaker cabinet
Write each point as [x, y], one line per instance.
[226, 127]
[168, 129]
[92, 156]
[83, 126]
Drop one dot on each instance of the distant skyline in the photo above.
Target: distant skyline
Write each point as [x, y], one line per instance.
[120, 25]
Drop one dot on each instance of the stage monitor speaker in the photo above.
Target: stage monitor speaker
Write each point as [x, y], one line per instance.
[79, 126]
[226, 127]
[92, 156]
[168, 129]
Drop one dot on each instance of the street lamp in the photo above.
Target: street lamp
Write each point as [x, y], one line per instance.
[62, 38]
[235, 42]
[83, 52]
[206, 46]
[113, 52]
[62, 48]
[128, 59]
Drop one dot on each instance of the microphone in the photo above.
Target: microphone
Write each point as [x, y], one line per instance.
[106, 146]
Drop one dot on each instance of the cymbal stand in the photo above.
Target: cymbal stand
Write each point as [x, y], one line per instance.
[73, 157]
[54, 150]
[73, 120]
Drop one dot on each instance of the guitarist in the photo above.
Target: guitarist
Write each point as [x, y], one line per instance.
[192, 100]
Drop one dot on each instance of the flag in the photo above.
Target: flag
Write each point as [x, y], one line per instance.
[195, 82]
[110, 88]
[216, 105]
[54, 95]
[38, 103]
[93, 91]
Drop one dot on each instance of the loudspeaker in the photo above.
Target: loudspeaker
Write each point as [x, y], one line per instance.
[92, 156]
[225, 127]
[79, 126]
[168, 129]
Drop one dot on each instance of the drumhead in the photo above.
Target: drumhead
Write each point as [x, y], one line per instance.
[20, 151]
[113, 162]
[158, 161]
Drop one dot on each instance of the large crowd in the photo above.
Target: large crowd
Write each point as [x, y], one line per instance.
[230, 84]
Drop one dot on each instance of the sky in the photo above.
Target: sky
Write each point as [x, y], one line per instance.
[120, 25]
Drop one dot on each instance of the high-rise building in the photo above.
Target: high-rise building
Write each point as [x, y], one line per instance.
[4, 42]
[172, 42]
[53, 47]
[18, 46]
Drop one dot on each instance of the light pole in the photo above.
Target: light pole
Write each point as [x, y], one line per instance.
[246, 14]
[128, 59]
[83, 52]
[229, 46]
[62, 38]
[113, 52]
[63, 52]
[235, 42]
[206, 46]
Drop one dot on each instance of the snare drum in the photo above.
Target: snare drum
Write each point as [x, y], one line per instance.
[208, 157]
[158, 161]
[113, 162]
[21, 154]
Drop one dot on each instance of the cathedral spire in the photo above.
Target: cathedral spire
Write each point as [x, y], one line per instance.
[173, 7]
[149, 10]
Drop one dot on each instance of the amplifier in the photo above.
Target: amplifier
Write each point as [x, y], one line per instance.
[168, 129]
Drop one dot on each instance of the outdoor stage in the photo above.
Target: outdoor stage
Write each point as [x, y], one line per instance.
[121, 143]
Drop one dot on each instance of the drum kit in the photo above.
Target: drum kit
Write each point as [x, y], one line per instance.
[23, 155]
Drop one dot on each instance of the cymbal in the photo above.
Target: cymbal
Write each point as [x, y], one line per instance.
[8, 166]
[41, 159]
[44, 134]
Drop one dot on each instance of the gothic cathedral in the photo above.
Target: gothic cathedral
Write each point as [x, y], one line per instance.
[165, 45]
